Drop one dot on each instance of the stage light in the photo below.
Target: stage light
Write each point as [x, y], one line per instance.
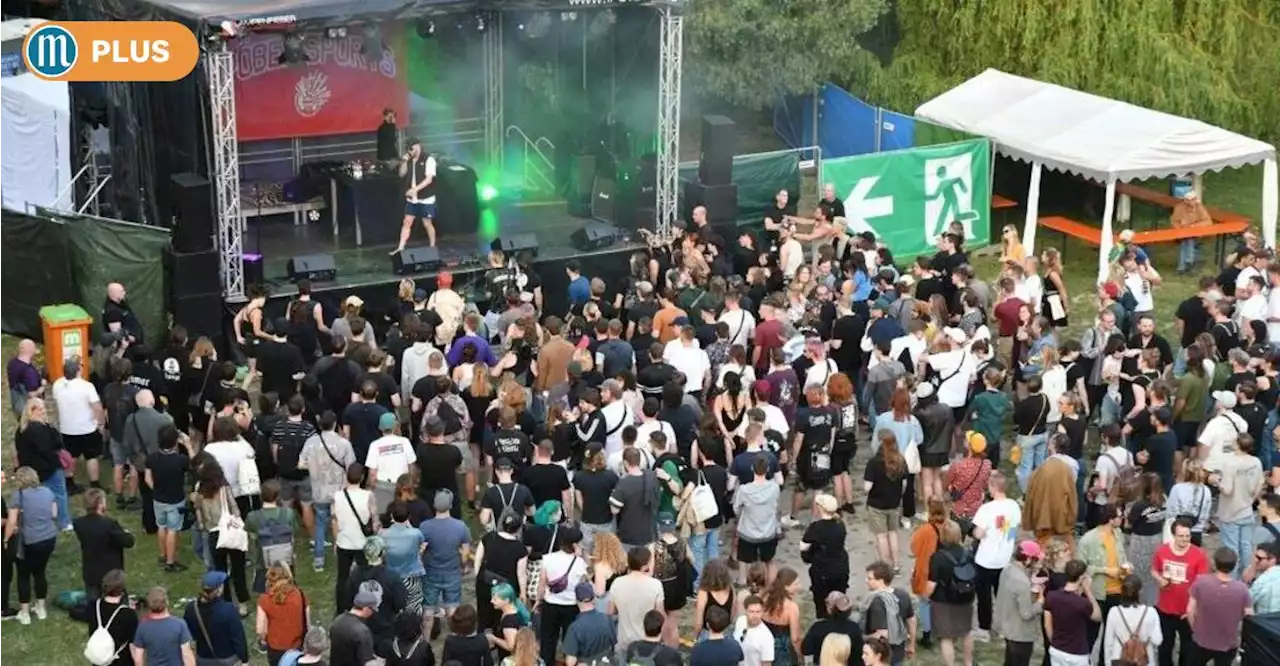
[372, 44]
[481, 23]
[568, 17]
[293, 53]
[426, 28]
[488, 192]
[339, 32]
[229, 29]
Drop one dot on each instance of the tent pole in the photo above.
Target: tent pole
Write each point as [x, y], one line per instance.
[1033, 211]
[1270, 201]
[1104, 249]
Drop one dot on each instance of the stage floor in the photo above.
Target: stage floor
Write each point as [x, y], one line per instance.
[277, 239]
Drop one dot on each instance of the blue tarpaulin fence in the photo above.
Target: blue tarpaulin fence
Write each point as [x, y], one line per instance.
[842, 125]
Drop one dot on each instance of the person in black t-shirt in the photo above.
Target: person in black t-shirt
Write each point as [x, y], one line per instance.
[280, 362]
[388, 139]
[545, 479]
[1192, 314]
[509, 442]
[835, 620]
[504, 494]
[388, 387]
[118, 319]
[593, 486]
[811, 448]
[438, 464]
[846, 337]
[823, 548]
[166, 473]
[360, 420]
[1157, 452]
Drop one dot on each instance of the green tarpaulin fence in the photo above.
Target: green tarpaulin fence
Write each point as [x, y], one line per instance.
[759, 177]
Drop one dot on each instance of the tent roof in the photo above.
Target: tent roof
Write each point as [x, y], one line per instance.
[1096, 137]
[216, 11]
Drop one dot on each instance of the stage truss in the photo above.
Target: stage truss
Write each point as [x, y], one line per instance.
[220, 69]
[671, 55]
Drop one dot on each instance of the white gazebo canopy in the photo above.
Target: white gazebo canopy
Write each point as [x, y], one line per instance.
[1102, 139]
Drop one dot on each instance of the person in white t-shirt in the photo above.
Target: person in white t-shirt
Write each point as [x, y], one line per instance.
[630, 440]
[1254, 305]
[742, 324]
[954, 368]
[1031, 287]
[1221, 430]
[80, 416]
[995, 526]
[1139, 279]
[389, 457]
[354, 515]
[615, 413]
[231, 451]
[648, 425]
[823, 367]
[686, 356]
[1247, 273]
[751, 633]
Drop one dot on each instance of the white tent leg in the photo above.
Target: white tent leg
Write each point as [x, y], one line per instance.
[1197, 185]
[1033, 211]
[1270, 201]
[1104, 252]
[1124, 209]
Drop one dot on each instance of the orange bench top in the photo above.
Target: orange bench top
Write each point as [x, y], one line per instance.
[1167, 201]
[1093, 235]
[998, 202]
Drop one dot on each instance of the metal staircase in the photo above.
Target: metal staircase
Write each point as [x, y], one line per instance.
[537, 171]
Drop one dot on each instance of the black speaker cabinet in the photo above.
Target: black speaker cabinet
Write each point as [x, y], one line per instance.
[457, 202]
[195, 273]
[201, 314]
[584, 177]
[516, 243]
[595, 236]
[603, 201]
[415, 260]
[254, 271]
[721, 200]
[194, 208]
[719, 142]
[313, 267]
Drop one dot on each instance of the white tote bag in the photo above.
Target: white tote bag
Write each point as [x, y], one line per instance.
[703, 501]
[231, 532]
[248, 479]
[912, 455]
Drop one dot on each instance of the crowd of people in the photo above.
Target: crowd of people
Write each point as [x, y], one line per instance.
[625, 469]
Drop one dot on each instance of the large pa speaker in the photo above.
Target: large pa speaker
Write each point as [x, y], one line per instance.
[582, 181]
[715, 167]
[721, 200]
[457, 202]
[603, 200]
[516, 243]
[201, 314]
[254, 270]
[595, 236]
[194, 212]
[313, 267]
[415, 260]
[195, 273]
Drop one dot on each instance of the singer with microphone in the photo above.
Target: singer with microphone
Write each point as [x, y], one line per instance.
[418, 170]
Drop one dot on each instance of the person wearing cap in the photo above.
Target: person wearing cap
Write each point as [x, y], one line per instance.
[448, 306]
[389, 457]
[214, 622]
[351, 641]
[592, 635]
[966, 479]
[836, 622]
[448, 546]
[823, 548]
[1019, 603]
[341, 327]
[1221, 431]
[372, 575]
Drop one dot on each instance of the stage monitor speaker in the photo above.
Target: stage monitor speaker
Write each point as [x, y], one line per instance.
[603, 203]
[721, 200]
[254, 272]
[516, 243]
[313, 267]
[457, 202]
[595, 236]
[415, 260]
[195, 273]
[200, 314]
[193, 209]
[715, 167]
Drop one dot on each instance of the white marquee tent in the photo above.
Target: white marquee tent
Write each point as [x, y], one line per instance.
[35, 130]
[1102, 139]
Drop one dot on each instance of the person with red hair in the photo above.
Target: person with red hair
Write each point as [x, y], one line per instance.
[840, 393]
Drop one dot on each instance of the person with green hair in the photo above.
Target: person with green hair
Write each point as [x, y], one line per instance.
[373, 576]
[514, 617]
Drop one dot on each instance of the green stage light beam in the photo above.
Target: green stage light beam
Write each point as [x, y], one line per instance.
[488, 192]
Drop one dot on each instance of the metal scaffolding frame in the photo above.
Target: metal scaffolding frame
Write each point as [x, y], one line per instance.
[671, 57]
[494, 127]
[220, 69]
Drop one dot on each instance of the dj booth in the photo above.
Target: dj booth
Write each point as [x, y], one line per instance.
[369, 196]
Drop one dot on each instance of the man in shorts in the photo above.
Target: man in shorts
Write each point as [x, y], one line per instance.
[80, 419]
[756, 505]
[288, 439]
[448, 545]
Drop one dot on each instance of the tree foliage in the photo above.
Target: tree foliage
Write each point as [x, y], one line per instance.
[1214, 60]
[748, 52]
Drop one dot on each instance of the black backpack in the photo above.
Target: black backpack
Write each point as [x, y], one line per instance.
[961, 585]
[288, 453]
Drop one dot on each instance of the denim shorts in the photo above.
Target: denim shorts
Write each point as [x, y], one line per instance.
[423, 210]
[437, 592]
[169, 516]
[120, 453]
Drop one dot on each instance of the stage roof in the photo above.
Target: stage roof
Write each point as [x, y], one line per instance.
[333, 11]
[1096, 137]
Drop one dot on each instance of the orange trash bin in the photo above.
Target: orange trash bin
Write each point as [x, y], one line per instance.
[66, 334]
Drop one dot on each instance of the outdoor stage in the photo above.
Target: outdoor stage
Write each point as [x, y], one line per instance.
[366, 270]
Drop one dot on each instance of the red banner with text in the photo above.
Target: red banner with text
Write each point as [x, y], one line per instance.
[338, 91]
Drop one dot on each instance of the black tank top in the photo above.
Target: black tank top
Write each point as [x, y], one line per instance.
[727, 607]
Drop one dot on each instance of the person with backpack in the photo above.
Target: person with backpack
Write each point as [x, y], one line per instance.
[314, 646]
[1102, 549]
[887, 612]
[1019, 604]
[951, 590]
[112, 624]
[1069, 616]
[272, 527]
[288, 439]
[1115, 475]
[1133, 629]
[374, 577]
[215, 625]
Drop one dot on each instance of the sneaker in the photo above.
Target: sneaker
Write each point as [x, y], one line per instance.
[160, 561]
[121, 502]
[790, 522]
[8, 614]
[849, 509]
[39, 610]
[926, 641]
[175, 567]
[922, 517]
[982, 635]
[68, 528]
[906, 523]
[317, 565]
[24, 617]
